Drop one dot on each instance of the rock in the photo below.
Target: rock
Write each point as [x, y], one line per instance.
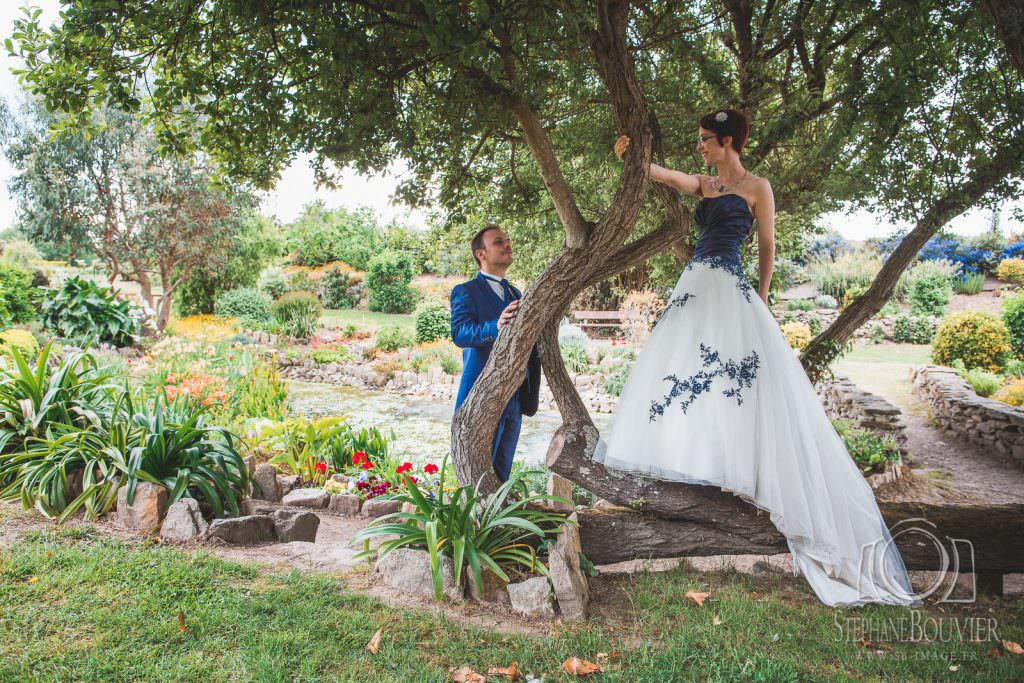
[494, 589]
[251, 506]
[376, 507]
[250, 463]
[346, 504]
[567, 578]
[409, 571]
[266, 485]
[307, 498]
[532, 598]
[243, 530]
[184, 522]
[295, 525]
[146, 509]
[287, 483]
[561, 488]
[340, 478]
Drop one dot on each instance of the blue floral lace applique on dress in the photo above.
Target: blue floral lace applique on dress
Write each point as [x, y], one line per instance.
[729, 266]
[743, 374]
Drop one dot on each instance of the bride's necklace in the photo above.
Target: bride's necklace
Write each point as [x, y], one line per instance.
[720, 187]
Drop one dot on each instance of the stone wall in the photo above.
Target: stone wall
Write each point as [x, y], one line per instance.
[958, 410]
[843, 399]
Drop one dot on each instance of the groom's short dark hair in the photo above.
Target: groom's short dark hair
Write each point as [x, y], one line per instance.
[477, 242]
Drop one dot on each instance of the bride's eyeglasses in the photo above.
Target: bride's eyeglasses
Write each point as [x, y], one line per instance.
[702, 139]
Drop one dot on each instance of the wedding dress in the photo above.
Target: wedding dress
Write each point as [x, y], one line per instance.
[717, 397]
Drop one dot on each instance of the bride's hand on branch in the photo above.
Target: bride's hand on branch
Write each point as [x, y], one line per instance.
[621, 144]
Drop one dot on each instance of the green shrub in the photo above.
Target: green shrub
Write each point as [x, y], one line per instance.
[1014, 368]
[1013, 318]
[815, 324]
[575, 358]
[937, 270]
[392, 337]
[22, 341]
[969, 284]
[1012, 393]
[84, 312]
[18, 252]
[983, 382]
[889, 310]
[248, 304]
[852, 268]
[433, 322]
[1010, 270]
[869, 450]
[912, 329]
[273, 282]
[387, 280]
[853, 292]
[297, 313]
[800, 305]
[979, 339]
[441, 353]
[15, 295]
[616, 380]
[930, 297]
[339, 288]
[877, 334]
[826, 301]
[331, 354]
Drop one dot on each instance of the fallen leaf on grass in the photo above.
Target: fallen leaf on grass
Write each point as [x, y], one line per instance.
[716, 621]
[697, 597]
[510, 672]
[1013, 648]
[954, 668]
[994, 653]
[465, 674]
[579, 667]
[374, 643]
[32, 579]
[181, 621]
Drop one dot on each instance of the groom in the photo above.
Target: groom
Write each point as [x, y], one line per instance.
[482, 309]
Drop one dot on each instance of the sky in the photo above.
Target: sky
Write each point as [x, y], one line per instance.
[296, 186]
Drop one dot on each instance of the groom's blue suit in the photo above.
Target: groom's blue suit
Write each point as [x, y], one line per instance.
[475, 311]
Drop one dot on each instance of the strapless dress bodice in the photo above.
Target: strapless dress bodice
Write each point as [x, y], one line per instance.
[724, 222]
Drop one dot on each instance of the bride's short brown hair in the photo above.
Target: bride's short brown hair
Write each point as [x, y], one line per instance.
[728, 122]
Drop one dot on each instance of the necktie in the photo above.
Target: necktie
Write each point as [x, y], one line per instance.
[507, 289]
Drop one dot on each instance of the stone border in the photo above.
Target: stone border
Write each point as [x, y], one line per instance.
[959, 411]
[844, 399]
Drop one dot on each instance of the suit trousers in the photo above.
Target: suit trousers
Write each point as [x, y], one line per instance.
[506, 438]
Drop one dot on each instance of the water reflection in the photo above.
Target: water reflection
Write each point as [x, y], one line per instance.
[422, 425]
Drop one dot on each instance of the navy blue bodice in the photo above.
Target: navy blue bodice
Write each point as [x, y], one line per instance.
[724, 221]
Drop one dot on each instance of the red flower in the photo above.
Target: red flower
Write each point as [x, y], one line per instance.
[367, 465]
[431, 468]
[358, 457]
[320, 468]
[404, 467]
[412, 479]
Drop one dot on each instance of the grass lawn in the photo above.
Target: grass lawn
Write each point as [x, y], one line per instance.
[76, 606]
[367, 320]
[884, 369]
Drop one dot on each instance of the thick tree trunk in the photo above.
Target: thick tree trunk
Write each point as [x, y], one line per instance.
[827, 346]
[990, 533]
[1008, 17]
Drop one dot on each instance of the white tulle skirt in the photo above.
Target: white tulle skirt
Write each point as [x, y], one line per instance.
[717, 397]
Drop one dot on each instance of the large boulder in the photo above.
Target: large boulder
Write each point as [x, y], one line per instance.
[377, 507]
[532, 598]
[184, 522]
[146, 509]
[295, 525]
[345, 504]
[567, 578]
[307, 498]
[265, 483]
[409, 571]
[243, 530]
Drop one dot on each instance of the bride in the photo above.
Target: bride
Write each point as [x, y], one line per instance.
[717, 397]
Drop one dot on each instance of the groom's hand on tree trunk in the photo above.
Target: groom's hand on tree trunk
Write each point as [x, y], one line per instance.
[508, 315]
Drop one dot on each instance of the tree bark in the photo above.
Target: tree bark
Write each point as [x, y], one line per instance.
[1008, 17]
[993, 533]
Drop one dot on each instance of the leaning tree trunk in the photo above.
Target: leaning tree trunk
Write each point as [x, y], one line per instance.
[827, 346]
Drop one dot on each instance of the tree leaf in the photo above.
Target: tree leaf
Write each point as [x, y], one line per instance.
[511, 672]
[181, 621]
[580, 667]
[374, 643]
[697, 597]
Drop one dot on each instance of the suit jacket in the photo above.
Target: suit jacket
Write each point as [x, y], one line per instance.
[475, 311]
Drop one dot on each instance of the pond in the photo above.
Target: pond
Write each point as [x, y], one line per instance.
[422, 425]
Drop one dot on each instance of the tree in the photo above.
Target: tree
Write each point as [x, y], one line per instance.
[151, 218]
[514, 105]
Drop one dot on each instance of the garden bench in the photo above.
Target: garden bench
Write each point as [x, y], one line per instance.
[602, 318]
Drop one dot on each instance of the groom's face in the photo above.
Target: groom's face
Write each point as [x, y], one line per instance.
[497, 249]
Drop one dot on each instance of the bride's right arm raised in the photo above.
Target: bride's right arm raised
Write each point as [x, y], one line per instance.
[684, 182]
